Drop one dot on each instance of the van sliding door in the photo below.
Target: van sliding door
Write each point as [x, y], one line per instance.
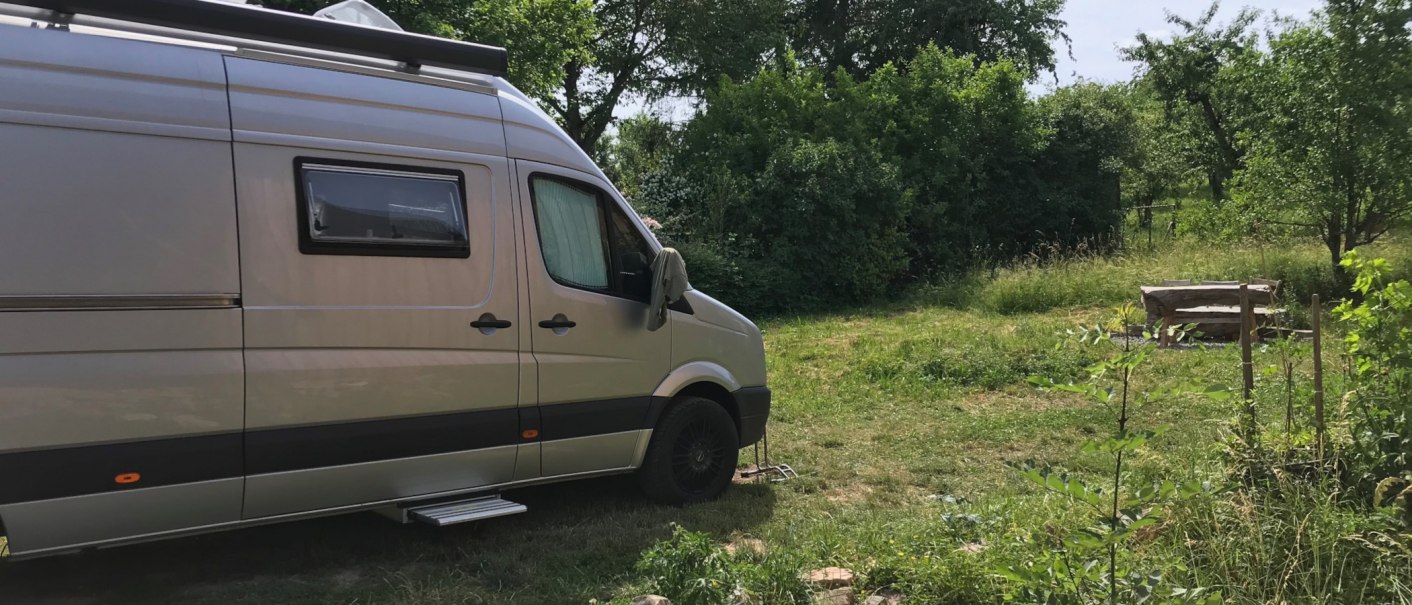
[381, 310]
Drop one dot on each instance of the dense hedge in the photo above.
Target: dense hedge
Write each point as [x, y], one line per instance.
[803, 190]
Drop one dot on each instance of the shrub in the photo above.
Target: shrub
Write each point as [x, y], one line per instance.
[1380, 342]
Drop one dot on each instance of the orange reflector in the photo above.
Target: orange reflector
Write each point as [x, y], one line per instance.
[529, 433]
[127, 478]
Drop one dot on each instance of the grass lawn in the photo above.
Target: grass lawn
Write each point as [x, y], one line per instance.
[900, 420]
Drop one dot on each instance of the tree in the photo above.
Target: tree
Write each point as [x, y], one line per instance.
[1331, 150]
[652, 48]
[641, 149]
[1091, 137]
[1158, 162]
[541, 36]
[1188, 71]
[861, 36]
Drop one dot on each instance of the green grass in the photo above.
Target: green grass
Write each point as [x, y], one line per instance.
[900, 420]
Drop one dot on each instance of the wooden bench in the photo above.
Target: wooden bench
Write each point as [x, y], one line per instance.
[1213, 306]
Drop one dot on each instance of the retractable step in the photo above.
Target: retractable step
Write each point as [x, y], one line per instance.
[450, 513]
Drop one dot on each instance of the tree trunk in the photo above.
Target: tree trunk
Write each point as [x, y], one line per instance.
[1334, 241]
[1229, 158]
[573, 104]
[1218, 185]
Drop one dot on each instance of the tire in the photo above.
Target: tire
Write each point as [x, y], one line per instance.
[692, 455]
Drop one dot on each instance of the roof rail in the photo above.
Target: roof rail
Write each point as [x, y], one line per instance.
[255, 23]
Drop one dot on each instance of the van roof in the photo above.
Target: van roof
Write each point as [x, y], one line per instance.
[531, 134]
[257, 23]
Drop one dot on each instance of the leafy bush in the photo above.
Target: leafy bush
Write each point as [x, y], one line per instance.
[1380, 342]
[823, 190]
[827, 217]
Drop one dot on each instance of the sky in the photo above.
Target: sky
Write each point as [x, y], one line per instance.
[1099, 28]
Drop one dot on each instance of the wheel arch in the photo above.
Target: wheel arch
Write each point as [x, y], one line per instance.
[696, 379]
[699, 379]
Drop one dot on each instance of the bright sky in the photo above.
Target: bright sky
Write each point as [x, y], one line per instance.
[1100, 27]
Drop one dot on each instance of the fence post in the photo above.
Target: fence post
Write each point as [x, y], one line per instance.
[1247, 365]
[1316, 312]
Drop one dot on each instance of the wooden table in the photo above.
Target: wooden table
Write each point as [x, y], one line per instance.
[1163, 302]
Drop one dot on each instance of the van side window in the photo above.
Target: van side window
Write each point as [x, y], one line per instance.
[588, 242]
[380, 210]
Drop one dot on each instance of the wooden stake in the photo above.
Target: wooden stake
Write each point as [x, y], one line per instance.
[1247, 365]
[1316, 311]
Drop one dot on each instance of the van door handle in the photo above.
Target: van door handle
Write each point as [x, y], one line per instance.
[488, 321]
[559, 321]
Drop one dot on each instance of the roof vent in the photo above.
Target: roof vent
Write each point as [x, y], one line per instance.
[359, 12]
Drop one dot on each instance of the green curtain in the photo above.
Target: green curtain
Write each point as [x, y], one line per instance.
[570, 236]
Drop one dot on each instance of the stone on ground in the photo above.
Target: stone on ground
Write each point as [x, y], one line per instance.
[885, 597]
[831, 577]
[837, 596]
[747, 545]
[651, 599]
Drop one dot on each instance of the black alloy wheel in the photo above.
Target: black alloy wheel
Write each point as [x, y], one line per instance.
[692, 455]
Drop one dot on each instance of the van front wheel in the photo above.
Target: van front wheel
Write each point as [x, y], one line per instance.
[692, 455]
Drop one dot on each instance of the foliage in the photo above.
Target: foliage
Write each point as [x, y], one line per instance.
[1379, 340]
[652, 48]
[1158, 163]
[1190, 74]
[641, 151]
[690, 569]
[1094, 564]
[861, 37]
[823, 192]
[1329, 147]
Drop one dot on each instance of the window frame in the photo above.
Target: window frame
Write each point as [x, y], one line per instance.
[605, 202]
[309, 245]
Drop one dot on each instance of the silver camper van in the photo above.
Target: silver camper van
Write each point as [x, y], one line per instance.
[258, 266]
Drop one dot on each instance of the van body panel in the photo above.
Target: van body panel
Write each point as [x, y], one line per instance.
[307, 386]
[121, 373]
[103, 83]
[270, 97]
[77, 377]
[593, 453]
[127, 515]
[532, 135]
[121, 210]
[143, 215]
[305, 490]
[714, 332]
[376, 345]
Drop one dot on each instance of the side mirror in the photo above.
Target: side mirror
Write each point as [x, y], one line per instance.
[668, 286]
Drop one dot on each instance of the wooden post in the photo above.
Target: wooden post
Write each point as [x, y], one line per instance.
[1164, 339]
[1247, 366]
[1316, 312]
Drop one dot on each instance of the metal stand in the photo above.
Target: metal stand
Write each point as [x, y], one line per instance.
[782, 470]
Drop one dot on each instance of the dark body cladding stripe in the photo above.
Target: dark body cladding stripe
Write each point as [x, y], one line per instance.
[587, 418]
[289, 449]
[91, 469]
